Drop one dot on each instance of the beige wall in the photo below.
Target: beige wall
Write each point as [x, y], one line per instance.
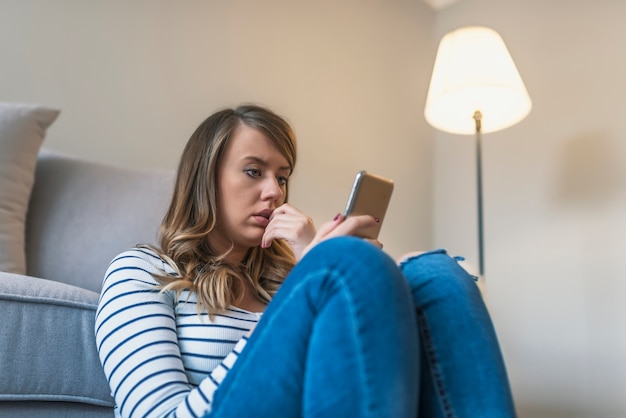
[554, 203]
[133, 79]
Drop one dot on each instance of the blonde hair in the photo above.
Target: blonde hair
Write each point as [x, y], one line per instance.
[192, 216]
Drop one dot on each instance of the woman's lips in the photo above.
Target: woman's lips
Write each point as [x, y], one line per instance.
[261, 220]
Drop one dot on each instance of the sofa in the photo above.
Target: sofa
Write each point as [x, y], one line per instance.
[62, 220]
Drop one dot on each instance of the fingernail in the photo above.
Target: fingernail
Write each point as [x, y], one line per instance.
[336, 216]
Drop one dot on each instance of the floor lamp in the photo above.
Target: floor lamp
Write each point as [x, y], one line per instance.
[475, 88]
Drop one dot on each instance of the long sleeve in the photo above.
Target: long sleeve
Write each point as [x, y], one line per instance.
[137, 340]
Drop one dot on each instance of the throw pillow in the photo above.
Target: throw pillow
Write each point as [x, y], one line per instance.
[22, 130]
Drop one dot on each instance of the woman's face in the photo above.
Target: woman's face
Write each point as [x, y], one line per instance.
[251, 182]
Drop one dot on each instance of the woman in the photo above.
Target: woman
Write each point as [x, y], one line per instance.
[349, 334]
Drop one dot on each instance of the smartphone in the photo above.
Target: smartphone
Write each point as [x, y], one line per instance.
[370, 195]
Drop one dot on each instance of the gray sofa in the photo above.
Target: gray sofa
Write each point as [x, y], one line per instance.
[80, 215]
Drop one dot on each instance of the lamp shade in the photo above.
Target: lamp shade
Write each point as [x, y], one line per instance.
[474, 71]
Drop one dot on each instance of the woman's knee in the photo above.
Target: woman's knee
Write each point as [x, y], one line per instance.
[345, 252]
[437, 274]
[355, 264]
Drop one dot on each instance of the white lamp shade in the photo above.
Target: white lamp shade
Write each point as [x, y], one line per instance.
[474, 71]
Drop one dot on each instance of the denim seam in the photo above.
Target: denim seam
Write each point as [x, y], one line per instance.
[437, 375]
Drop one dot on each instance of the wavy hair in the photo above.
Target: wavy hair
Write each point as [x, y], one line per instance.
[192, 216]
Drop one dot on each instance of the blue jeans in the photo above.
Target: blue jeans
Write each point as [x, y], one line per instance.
[349, 334]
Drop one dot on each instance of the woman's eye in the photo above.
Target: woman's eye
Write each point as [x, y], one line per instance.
[283, 181]
[253, 172]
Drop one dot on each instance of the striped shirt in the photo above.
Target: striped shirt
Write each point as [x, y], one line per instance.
[162, 358]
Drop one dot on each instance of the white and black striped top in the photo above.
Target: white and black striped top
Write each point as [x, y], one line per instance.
[160, 356]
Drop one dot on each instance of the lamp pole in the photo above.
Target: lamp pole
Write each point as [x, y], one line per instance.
[473, 69]
[479, 192]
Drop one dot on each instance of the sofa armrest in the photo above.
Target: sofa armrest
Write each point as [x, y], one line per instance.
[47, 343]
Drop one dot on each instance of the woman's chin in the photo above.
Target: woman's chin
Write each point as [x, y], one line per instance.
[250, 238]
[253, 242]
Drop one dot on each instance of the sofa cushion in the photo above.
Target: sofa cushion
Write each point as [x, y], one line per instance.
[82, 214]
[47, 343]
[22, 130]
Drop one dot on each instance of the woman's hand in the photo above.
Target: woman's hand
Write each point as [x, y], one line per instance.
[341, 226]
[291, 225]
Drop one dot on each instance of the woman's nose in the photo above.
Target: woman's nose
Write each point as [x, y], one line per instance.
[272, 190]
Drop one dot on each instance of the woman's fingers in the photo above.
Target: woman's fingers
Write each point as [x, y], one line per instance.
[297, 229]
[341, 226]
[352, 224]
[291, 225]
[328, 227]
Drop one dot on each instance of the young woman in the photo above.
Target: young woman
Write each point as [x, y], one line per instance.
[343, 331]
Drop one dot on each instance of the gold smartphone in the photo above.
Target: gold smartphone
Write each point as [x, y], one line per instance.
[370, 195]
